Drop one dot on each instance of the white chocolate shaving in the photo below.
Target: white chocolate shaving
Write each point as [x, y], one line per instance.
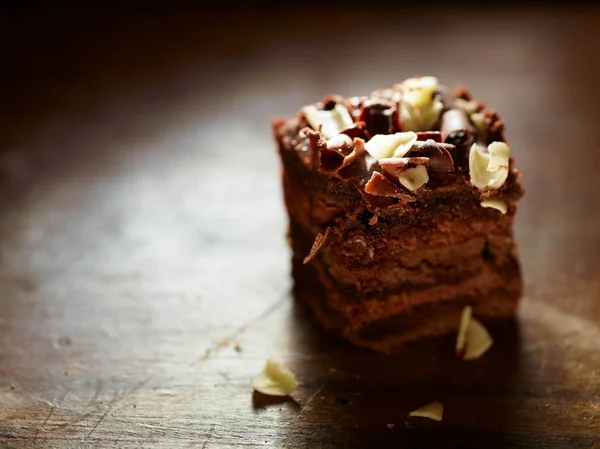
[473, 339]
[461, 339]
[275, 380]
[330, 122]
[433, 410]
[489, 170]
[495, 204]
[414, 177]
[478, 119]
[419, 110]
[390, 145]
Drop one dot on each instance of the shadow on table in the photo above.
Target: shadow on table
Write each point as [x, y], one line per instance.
[361, 399]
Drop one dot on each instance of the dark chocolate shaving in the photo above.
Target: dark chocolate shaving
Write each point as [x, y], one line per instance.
[426, 135]
[317, 245]
[355, 164]
[379, 185]
[393, 167]
[456, 128]
[439, 154]
[380, 116]
[357, 130]
[375, 202]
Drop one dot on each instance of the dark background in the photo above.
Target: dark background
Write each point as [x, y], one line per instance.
[142, 226]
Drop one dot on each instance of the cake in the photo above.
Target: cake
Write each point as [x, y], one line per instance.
[401, 207]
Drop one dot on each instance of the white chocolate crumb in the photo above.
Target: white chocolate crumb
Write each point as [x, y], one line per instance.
[473, 339]
[488, 171]
[390, 145]
[414, 177]
[275, 380]
[433, 410]
[329, 122]
[495, 204]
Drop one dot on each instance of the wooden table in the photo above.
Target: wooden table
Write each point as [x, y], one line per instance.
[144, 276]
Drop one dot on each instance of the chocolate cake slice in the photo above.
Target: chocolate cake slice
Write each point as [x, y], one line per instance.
[401, 207]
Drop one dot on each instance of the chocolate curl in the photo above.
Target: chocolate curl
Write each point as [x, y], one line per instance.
[456, 128]
[380, 115]
[317, 245]
[379, 185]
[440, 159]
[433, 135]
[332, 157]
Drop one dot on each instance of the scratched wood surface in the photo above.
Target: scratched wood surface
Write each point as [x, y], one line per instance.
[144, 276]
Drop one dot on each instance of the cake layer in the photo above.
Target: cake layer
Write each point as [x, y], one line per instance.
[390, 332]
[371, 269]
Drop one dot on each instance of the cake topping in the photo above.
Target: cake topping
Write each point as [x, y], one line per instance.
[317, 245]
[433, 410]
[440, 159]
[357, 129]
[478, 119]
[275, 380]
[330, 121]
[390, 145]
[473, 338]
[489, 170]
[420, 108]
[461, 339]
[456, 128]
[380, 116]
[379, 185]
[341, 143]
[414, 177]
[436, 136]
[468, 107]
[495, 204]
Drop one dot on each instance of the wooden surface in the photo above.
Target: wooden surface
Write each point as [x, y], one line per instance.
[142, 232]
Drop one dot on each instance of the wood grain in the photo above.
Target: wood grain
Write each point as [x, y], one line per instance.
[142, 233]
